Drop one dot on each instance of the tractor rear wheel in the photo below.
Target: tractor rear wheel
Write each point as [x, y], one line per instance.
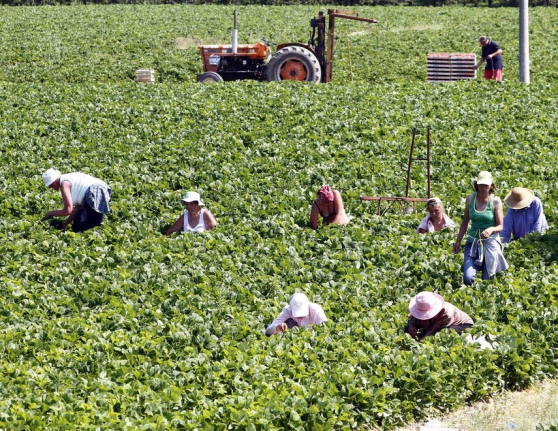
[210, 77]
[294, 63]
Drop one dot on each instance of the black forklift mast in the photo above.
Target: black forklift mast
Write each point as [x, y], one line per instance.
[318, 42]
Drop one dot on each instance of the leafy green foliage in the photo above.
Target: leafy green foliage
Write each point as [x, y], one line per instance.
[123, 328]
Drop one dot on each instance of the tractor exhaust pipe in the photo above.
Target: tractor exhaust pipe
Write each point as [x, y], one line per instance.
[234, 36]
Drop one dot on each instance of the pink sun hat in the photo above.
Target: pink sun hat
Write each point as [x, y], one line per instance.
[426, 305]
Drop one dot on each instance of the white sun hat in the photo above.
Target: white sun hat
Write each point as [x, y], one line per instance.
[191, 197]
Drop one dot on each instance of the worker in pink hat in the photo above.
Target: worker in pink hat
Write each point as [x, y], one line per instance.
[299, 312]
[329, 206]
[429, 314]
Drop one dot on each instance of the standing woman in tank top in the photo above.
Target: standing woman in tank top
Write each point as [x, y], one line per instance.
[483, 248]
[195, 218]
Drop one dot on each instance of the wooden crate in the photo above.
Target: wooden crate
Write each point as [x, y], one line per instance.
[145, 75]
[448, 67]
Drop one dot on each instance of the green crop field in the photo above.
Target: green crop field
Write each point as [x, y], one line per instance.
[123, 328]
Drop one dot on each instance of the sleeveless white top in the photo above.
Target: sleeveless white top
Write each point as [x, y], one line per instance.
[200, 227]
[80, 183]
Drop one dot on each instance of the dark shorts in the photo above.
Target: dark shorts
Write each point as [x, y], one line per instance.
[86, 218]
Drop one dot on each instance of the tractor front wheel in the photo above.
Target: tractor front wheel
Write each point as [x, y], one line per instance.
[210, 77]
[294, 63]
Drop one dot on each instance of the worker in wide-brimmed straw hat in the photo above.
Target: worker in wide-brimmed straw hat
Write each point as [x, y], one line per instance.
[524, 215]
[429, 314]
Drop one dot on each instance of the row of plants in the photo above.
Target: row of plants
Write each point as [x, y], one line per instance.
[124, 328]
[476, 3]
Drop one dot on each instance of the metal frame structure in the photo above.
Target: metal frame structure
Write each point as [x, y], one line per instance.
[405, 201]
[325, 57]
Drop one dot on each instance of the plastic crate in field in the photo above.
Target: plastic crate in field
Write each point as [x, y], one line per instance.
[448, 67]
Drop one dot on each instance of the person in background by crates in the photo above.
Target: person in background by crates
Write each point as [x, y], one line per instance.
[329, 205]
[195, 218]
[483, 248]
[524, 215]
[436, 219]
[299, 312]
[429, 314]
[491, 53]
[86, 199]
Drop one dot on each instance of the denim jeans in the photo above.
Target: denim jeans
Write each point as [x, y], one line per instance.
[470, 269]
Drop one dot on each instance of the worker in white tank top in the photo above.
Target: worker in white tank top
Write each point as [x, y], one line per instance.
[86, 199]
[195, 218]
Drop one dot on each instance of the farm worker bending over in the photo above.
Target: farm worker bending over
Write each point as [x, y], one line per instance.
[525, 214]
[483, 249]
[429, 314]
[329, 205]
[492, 55]
[299, 312]
[86, 199]
[195, 218]
[436, 219]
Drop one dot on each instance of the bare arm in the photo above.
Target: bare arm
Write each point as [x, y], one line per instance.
[66, 192]
[178, 224]
[494, 54]
[209, 220]
[464, 225]
[339, 208]
[71, 216]
[479, 64]
[499, 215]
[314, 214]
[488, 57]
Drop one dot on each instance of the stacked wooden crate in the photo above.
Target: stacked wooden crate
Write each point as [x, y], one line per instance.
[145, 75]
[446, 67]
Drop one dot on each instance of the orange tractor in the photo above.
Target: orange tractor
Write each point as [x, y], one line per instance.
[291, 62]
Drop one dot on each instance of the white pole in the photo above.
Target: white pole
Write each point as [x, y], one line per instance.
[524, 41]
[234, 36]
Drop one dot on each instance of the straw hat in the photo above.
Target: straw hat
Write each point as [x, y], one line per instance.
[519, 197]
[426, 305]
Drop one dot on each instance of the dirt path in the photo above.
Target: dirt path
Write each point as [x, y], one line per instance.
[517, 411]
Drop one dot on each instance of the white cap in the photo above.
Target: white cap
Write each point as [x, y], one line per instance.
[299, 305]
[485, 178]
[50, 176]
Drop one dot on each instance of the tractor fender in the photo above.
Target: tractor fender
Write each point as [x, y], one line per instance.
[303, 45]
